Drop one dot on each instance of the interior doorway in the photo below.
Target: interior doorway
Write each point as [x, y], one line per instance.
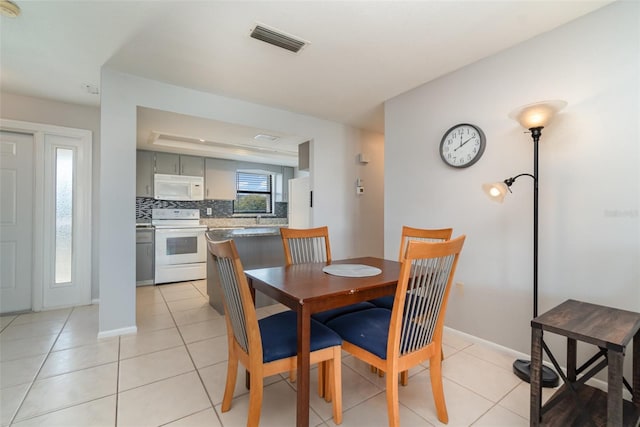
[45, 216]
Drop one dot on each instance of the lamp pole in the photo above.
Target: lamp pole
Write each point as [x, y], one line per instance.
[535, 134]
[533, 117]
[522, 368]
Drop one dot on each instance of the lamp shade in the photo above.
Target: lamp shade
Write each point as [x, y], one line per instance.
[496, 191]
[8, 8]
[538, 114]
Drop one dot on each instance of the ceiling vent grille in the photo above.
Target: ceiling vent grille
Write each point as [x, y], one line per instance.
[277, 38]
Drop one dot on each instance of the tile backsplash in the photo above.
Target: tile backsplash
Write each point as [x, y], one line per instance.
[219, 208]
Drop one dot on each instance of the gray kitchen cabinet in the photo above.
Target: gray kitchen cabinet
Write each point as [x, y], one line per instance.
[167, 163]
[144, 257]
[303, 156]
[191, 165]
[287, 174]
[281, 182]
[179, 164]
[220, 179]
[144, 173]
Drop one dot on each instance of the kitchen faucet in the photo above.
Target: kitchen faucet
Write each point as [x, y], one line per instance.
[258, 217]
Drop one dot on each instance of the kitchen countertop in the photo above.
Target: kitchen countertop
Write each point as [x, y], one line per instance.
[232, 232]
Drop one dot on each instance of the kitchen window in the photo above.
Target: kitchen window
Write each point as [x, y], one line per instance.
[254, 193]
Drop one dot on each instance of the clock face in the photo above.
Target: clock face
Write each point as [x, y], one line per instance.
[462, 145]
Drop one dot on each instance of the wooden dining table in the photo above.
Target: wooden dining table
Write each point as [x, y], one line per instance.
[306, 289]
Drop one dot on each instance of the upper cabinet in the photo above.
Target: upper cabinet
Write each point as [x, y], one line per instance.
[179, 164]
[303, 156]
[167, 163]
[144, 174]
[220, 179]
[191, 165]
[219, 174]
[287, 174]
[282, 184]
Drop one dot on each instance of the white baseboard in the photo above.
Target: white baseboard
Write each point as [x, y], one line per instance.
[118, 332]
[491, 344]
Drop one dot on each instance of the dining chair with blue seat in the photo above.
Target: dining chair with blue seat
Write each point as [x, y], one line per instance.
[310, 245]
[409, 234]
[411, 333]
[267, 346]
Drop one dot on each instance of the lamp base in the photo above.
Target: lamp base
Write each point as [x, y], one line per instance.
[522, 369]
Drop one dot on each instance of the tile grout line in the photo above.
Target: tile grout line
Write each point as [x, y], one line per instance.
[184, 343]
[15, 414]
[497, 403]
[15, 316]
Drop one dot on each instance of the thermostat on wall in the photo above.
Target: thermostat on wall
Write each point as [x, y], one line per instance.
[363, 158]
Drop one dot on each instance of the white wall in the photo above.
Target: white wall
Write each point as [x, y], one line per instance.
[333, 171]
[37, 110]
[589, 180]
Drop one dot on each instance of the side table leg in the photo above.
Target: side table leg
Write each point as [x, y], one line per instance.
[572, 357]
[536, 377]
[614, 389]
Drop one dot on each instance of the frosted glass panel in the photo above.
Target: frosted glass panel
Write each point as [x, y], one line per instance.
[64, 214]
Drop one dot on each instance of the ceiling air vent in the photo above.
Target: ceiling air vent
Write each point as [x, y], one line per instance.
[277, 38]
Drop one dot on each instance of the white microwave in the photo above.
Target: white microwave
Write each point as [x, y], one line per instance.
[178, 187]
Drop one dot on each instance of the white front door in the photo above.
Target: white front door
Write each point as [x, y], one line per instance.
[16, 221]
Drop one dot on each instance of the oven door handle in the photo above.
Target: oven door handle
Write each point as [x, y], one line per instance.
[182, 230]
[190, 231]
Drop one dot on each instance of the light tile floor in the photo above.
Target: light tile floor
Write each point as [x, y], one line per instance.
[54, 371]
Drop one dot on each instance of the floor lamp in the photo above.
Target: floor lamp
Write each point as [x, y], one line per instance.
[533, 117]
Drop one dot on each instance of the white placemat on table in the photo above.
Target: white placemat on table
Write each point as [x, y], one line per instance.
[351, 270]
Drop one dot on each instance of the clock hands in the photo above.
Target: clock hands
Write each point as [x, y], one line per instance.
[456, 149]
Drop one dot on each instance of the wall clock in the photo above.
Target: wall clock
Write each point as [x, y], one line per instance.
[462, 145]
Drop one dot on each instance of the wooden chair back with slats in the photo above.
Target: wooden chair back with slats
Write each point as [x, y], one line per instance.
[245, 338]
[411, 333]
[306, 245]
[240, 312]
[423, 235]
[412, 234]
[417, 318]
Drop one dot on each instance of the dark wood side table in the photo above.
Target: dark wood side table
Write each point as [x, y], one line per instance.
[575, 403]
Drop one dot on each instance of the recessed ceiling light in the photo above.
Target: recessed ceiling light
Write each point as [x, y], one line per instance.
[9, 9]
[266, 137]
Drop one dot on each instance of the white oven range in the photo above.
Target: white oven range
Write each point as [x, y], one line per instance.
[181, 252]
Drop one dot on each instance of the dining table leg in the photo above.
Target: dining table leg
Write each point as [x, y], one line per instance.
[304, 334]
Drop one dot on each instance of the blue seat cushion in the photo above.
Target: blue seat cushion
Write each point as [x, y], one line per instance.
[279, 333]
[325, 316]
[368, 329]
[384, 302]
[387, 301]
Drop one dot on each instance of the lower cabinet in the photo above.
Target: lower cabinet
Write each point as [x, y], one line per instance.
[144, 257]
[255, 252]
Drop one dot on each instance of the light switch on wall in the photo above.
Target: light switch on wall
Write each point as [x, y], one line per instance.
[208, 211]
